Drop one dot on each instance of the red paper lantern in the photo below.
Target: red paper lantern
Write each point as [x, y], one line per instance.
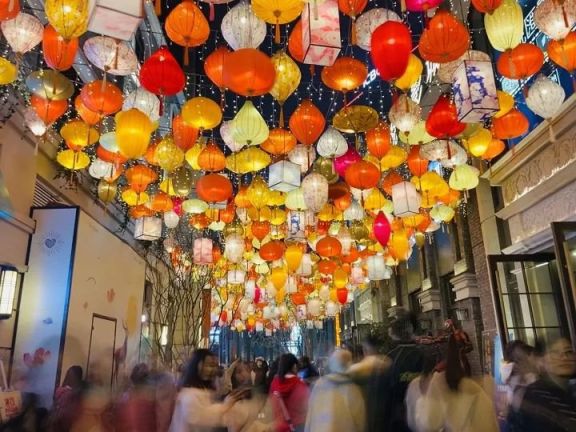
[185, 136]
[298, 298]
[9, 9]
[328, 247]
[342, 295]
[260, 229]
[382, 229]
[280, 141]
[214, 188]
[416, 164]
[445, 39]
[391, 47]
[249, 72]
[563, 52]
[102, 97]
[307, 122]
[512, 125]
[59, 53]
[486, 6]
[362, 175]
[214, 66]
[442, 122]
[352, 8]
[48, 110]
[295, 47]
[161, 74]
[378, 140]
[272, 251]
[520, 62]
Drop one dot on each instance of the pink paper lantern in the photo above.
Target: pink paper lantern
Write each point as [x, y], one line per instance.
[203, 251]
[421, 5]
[342, 163]
[321, 42]
[382, 229]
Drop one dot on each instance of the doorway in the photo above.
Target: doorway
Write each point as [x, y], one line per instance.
[100, 365]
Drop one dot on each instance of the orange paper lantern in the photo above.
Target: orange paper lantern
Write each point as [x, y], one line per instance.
[416, 164]
[511, 125]
[48, 110]
[378, 140]
[59, 53]
[214, 66]
[214, 188]
[563, 52]
[295, 47]
[139, 177]
[307, 122]
[520, 62]
[329, 247]
[211, 158]
[249, 72]
[187, 26]
[345, 74]
[185, 136]
[445, 39]
[390, 180]
[9, 9]
[362, 175]
[85, 114]
[495, 147]
[102, 97]
[272, 251]
[280, 141]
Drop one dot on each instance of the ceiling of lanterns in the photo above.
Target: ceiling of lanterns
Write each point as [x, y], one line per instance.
[302, 228]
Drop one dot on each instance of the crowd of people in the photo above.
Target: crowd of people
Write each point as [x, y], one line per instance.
[411, 388]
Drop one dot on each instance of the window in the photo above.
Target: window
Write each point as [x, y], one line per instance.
[8, 282]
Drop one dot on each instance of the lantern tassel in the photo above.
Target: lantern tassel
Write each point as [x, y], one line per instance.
[212, 13]
[158, 7]
[551, 133]
[281, 122]
[353, 32]
[565, 16]
[312, 70]
[403, 6]
[277, 33]
[186, 55]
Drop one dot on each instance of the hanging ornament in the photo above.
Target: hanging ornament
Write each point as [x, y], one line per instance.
[545, 98]
[369, 21]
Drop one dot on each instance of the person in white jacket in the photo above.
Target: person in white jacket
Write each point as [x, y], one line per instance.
[448, 401]
[196, 407]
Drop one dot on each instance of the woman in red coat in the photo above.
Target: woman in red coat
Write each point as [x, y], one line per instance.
[289, 396]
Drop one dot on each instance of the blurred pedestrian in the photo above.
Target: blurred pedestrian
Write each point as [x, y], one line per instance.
[289, 396]
[196, 407]
[336, 402]
[307, 371]
[549, 404]
[136, 411]
[260, 375]
[67, 400]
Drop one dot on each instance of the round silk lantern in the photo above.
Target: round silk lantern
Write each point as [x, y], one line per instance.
[258, 192]
[332, 144]
[421, 5]
[404, 114]
[78, 134]
[329, 247]
[362, 175]
[345, 74]
[102, 97]
[478, 143]
[59, 53]
[241, 28]
[378, 140]
[168, 155]
[111, 55]
[249, 72]
[442, 122]
[73, 160]
[307, 122]
[411, 75]
[315, 191]
[273, 251]
[185, 136]
[505, 25]
[520, 62]
[512, 125]
[545, 97]
[280, 141]
[416, 164]
[144, 101]
[186, 26]
[486, 6]
[464, 177]
[391, 45]
[382, 229]
[201, 113]
[211, 158]
[23, 32]
[248, 126]
[214, 188]
[417, 135]
[555, 18]
[48, 111]
[444, 39]
[161, 74]
[49, 84]
[214, 66]
[277, 12]
[133, 131]
[287, 80]
[563, 52]
[342, 295]
[139, 177]
[495, 148]
[342, 163]
[370, 21]
[9, 9]
[68, 17]
[295, 42]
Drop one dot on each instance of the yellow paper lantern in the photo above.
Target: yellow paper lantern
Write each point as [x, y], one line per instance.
[329, 213]
[355, 119]
[431, 184]
[278, 216]
[201, 113]
[442, 213]
[276, 198]
[417, 135]
[411, 75]
[133, 130]
[278, 277]
[79, 134]
[506, 103]
[288, 77]
[8, 72]
[375, 201]
[68, 17]
[293, 256]
[252, 159]
[505, 25]
[479, 142]
[399, 246]
[73, 160]
[133, 198]
[340, 278]
[107, 191]
[277, 12]
[248, 126]
[464, 177]
[394, 158]
[258, 192]
[192, 155]
[168, 155]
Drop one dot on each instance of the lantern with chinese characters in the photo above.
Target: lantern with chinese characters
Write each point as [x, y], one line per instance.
[444, 39]
[68, 17]
[22, 33]
[161, 74]
[248, 126]
[545, 97]
[307, 122]
[474, 88]
[284, 176]
[202, 251]
[406, 199]
[59, 53]
[277, 12]
[321, 35]
[249, 72]
[391, 45]
[186, 26]
[133, 131]
[505, 25]
[315, 190]
[241, 28]
[555, 18]
[370, 21]
[148, 228]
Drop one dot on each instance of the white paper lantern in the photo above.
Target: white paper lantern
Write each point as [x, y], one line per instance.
[303, 156]
[259, 326]
[305, 268]
[474, 87]
[332, 308]
[171, 219]
[324, 292]
[144, 101]
[406, 199]
[357, 275]
[148, 228]
[464, 177]
[314, 307]
[354, 212]
[295, 200]
[315, 188]
[377, 269]
[202, 251]
[241, 28]
[234, 248]
[250, 289]
[236, 277]
[117, 19]
[332, 143]
[23, 32]
[226, 133]
[34, 122]
[111, 55]
[370, 21]
[545, 97]
[404, 113]
[442, 213]
[284, 176]
[345, 239]
[555, 18]
[99, 169]
[291, 285]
